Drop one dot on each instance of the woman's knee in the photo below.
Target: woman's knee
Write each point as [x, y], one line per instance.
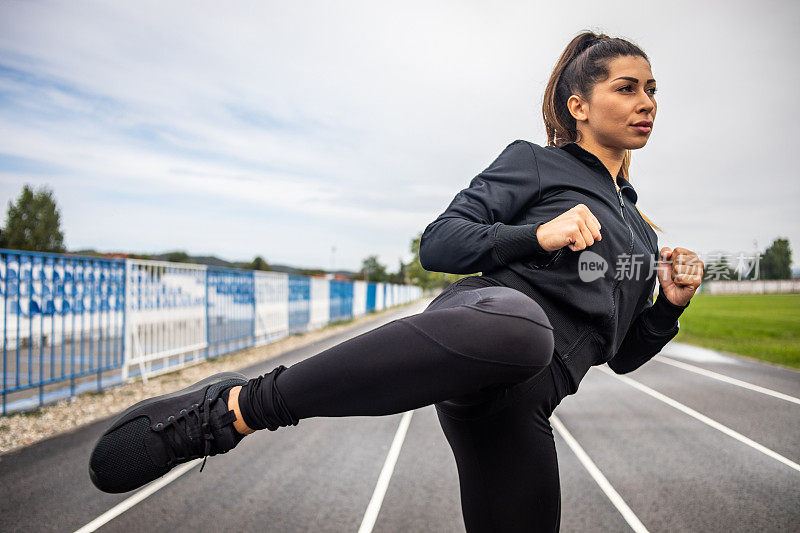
[495, 324]
[527, 343]
[523, 323]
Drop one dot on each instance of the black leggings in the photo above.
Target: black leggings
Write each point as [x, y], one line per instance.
[483, 354]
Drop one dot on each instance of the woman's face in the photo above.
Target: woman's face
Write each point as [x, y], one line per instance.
[626, 97]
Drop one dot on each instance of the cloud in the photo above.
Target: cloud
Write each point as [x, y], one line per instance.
[354, 124]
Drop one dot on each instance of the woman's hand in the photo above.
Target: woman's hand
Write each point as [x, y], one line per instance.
[577, 228]
[680, 272]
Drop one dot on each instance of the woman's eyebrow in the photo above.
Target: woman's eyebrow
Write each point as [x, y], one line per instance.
[629, 78]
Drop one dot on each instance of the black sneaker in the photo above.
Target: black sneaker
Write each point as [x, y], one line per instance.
[151, 437]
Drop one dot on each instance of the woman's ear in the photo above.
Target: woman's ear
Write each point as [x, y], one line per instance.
[577, 107]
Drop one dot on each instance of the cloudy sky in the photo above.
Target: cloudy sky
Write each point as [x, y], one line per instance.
[285, 129]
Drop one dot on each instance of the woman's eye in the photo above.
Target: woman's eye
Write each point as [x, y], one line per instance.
[652, 90]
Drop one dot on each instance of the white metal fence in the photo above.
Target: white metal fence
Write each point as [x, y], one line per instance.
[763, 286]
[74, 323]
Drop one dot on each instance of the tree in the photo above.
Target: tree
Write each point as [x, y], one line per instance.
[311, 272]
[258, 264]
[33, 222]
[178, 257]
[372, 271]
[718, 270]
[776, 261]
[400, 276]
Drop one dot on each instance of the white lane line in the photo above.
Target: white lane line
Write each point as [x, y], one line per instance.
[598, 476]
[374, 507]
[726, 379]
[143, 493]
[703, 418]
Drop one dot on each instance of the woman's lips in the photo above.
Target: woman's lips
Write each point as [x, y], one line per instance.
[642, 129]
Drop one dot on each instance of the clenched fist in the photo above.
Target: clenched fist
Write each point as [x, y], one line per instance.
[577, 228]
[680, 272]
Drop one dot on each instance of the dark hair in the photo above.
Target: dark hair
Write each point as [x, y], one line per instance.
[583, 63]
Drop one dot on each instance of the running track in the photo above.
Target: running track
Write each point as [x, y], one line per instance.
[693, 441]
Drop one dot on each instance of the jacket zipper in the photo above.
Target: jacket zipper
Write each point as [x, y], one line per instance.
[630, 252]
[582, 340]
[621, 210]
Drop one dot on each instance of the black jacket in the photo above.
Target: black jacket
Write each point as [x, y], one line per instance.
[490, 227]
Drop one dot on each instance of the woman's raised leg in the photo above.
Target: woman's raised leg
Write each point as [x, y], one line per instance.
[467, 340]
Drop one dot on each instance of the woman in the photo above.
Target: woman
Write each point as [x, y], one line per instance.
[549, 228]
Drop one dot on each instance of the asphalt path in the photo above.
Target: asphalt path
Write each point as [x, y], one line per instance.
[693, 441]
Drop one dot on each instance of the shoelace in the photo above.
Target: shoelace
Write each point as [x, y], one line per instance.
[181, 437]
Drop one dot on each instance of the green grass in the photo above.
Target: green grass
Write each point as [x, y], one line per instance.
[763, 326]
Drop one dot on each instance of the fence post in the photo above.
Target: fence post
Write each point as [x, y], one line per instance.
[126, 326]
[253, 321]
[208, 324]
[5, 330]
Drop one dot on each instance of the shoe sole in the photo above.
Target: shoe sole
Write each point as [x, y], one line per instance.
[210, 380]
